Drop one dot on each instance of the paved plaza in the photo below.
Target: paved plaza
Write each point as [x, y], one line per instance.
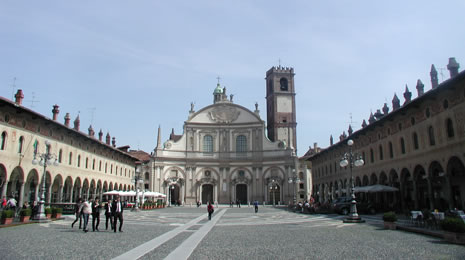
[233, 233]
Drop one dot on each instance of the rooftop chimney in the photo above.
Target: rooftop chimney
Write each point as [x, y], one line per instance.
[385, 109]
[55, 112]
[434, 76]
[407, 95]
[331, 140]
[395, 102]
[108, 138]
[420, 88]
[350, 131]
[77, 123]
[67, 119]
[453, 67]
[91, 131]
[19, 97]
[113, 141]
[100, 135]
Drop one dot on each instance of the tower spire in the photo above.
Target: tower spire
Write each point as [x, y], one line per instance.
[159, 137]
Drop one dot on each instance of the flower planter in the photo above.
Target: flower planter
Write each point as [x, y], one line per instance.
[24, 219]
[7, 221]
[56, 215]
[49, 216]
[456, 238]
[390, 225]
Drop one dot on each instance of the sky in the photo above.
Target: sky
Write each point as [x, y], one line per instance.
[129, 66]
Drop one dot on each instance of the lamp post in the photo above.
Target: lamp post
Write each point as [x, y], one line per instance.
[294, 179]
[45, 159]
[273, 188]
[137, 180]
[352, 160]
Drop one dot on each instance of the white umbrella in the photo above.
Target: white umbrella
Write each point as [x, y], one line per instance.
[113, 192]
[375, 188]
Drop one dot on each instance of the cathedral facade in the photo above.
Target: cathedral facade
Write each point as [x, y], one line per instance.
[224, 154]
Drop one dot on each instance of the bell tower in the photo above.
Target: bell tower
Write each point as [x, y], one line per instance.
[280, 105]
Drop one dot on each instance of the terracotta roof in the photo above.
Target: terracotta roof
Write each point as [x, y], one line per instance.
[141, 155]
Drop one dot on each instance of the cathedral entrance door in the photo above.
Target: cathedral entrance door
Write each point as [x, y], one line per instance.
[207, 193]
[174, 192]
[241, 193]
[275, 194]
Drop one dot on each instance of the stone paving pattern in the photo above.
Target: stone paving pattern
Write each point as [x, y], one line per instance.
[239, 234]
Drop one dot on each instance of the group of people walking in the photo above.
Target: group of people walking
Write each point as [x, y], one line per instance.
[113, 213]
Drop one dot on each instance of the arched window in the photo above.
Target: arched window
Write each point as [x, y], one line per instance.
[79, 161]
[402, 145]
[283, 83]
[20, 145]
[241, 144]
[391, 151]
[60, 155]
[415, 141]
[93, 164]
[3, 143]
[381, 152]
[208, 144]
[87, 162]
[100, 166]
[449, 128]
[147, 177]
[106, 167]
[432, 140]
[70, 161]
[372, 156]
[111, 169]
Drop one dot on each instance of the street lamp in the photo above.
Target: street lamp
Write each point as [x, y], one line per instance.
[45, 159]
[352, 160]
[137, 180]
[273, 189]
[294, 179]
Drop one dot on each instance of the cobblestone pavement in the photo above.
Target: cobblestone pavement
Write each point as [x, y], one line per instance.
[233, 233]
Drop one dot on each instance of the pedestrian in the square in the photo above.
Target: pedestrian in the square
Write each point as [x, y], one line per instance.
[108, 215]
[86, 210]
[238, 202]
[11, 204]
[77, 212]
[3, 202]
[210, 210]
[231, 204]
[96, 214]
[117, 209]
[256, 206]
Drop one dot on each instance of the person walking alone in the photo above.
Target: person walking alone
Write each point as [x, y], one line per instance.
[210, 210]
[96, 214]
[86, 210]
[256, 206]
[117, 209]
[108, 215]
[77, 212]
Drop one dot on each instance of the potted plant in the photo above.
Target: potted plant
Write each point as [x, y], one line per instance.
[7, 216]
[390, 219]
[48, 213]
[25, 215]
[57, 212]
[454, 230]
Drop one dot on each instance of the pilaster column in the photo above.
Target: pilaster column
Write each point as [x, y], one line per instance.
[21, 194]
[4, 188]
[71, 193]
[430, 193]
[415, 195]
[48, 199]
[60, 194]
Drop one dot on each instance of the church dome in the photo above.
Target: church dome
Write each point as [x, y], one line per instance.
[218, 89]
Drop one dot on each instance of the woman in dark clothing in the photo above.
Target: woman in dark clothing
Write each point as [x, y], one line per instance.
[210, 210]
[77, 211]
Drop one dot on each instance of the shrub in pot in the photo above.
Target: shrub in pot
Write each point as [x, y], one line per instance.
[57, 212]
[390, 219]
[25, 215]
[454, 230]
[48, 212]
[7, 216]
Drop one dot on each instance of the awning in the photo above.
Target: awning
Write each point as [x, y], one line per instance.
[375, 188]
